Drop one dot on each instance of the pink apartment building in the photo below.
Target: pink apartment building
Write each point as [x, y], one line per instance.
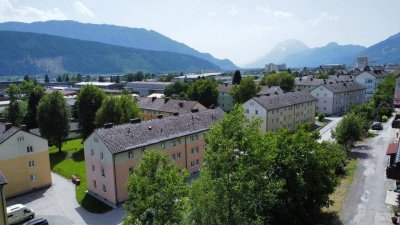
[112, 152]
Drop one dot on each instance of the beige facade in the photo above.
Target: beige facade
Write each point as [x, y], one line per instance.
[24, 160]
[3, 206]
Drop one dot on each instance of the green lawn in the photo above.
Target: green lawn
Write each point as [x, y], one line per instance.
[71, 161]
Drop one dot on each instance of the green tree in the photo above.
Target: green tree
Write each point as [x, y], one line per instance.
[117, 110]
[79, 77]
[156, 189]
[244, 91]
[348, 131]
[59, 79]
[237, 77]
[33, 100]
[26, 78]
[129, 77]
[46, 78]
[53, 116]
[66, 78]
[282, 79]
[204, 91]
[177, 88]
[88, 101]
[15, 112]
[139, 76]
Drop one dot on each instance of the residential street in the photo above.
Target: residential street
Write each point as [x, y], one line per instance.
[365, 202]
[58, 205]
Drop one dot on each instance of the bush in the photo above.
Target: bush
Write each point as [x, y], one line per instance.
[321, 117]
[384, 118]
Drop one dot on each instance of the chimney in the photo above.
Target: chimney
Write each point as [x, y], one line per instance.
[153, 99]
[159, 116]
[344, 84]
[311, 78]
[195, 110]
[108, 125]
[180, 104]
[24, 127]
[300, 78]
[136, 120]
[8, 125]
[176, 114]
[212, 106]
[166, 99]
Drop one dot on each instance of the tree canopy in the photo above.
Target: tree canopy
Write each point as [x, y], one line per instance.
[282, 79]
[204, 91]
[237, 77]
[117, 110]
[244, 91]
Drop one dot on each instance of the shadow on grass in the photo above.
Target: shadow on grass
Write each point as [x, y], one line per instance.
[329, 218]
[56, 158]
[78, 156]
[93, 205]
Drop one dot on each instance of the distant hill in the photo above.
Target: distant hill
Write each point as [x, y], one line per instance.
[115, 35]
[280, 52]
[332, 53]
[22, 52]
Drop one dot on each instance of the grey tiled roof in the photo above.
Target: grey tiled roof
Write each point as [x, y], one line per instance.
[381, 74]
[166, 104]
[343, 87]
[3, 180]
[282, 100]
[311, 81]
[5, 134]
[129, 136]
[224, 88]
[270, 90]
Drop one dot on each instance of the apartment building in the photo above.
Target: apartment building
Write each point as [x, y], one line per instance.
[153, 107]
[282, 110]
[307, 83]
[112, 152]
[146, 88]
[3, 206]
[24, 160]
[371, 80]
[337, 98]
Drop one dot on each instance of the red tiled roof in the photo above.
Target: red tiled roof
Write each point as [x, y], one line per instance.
[392, 149]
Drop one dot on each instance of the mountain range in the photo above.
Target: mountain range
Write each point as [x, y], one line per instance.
[24, 52]
[116, 35]
[296, 54]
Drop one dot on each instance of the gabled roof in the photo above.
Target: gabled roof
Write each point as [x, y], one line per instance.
[342, 86]
[5, 134]
[3, 180]
[282, 100]
[128, 136]
[377, 74]
[166, 104]
[270, 90]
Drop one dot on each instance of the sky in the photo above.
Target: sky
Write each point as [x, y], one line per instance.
[240, 30]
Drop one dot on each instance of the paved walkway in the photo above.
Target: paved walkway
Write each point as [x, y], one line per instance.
[325, 132]
[58, 205]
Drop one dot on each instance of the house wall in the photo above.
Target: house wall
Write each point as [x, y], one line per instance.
[253, 108]
[225, 101]
[14, 162]
[3, 213]
[324, 100]
[370, 82]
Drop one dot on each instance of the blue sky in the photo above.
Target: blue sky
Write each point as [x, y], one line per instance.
[241, 30]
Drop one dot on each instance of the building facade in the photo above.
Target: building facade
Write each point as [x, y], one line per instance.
[370, 80]
[271, 67]
[282, 110]
[146, 88]
[112, 153]
[337, 98]
[24, 160]
[3, 206]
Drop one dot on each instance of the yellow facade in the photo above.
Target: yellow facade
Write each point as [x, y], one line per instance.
[3, 217]
[23, 175]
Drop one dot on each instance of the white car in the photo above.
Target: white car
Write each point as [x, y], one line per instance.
[18, 213]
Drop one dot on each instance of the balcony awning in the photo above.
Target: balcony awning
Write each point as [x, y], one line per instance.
[392, 149]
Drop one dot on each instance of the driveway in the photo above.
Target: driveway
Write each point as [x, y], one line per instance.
[365, 204]
[58, 205]
[325, 132]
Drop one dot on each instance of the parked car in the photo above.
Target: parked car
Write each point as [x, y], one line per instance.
[377, 126]
[39, 221]
[18, 213]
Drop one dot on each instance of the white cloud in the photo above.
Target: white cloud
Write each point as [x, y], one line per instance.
[8, 12]
[283, 14]
[277, 13]
[82, 9]
[234, 10]
[324, 16]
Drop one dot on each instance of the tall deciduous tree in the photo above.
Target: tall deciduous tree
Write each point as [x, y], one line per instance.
[349, 130]
[33, 100]
[117, 110]
[88, 101]
[53, 115]
[237, 77]
[244, 91]
[282, 79]
[204, 91]
[156, 189]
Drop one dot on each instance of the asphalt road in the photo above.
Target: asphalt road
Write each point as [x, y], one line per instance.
[365, 204]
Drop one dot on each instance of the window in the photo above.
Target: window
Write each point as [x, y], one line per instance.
[195, 150]
[95, 139]
[33, 177]
[20, 138]
[178, 155]
[104, 188]
[101, 155]
[31, 163]
[191, 163]
[94, 184]
[197, 162]
[130, 154]
[91, 152]
[102, 172]
[174, 156]
[29, 148]
[256, 112]
[192, 137]
[93, 168]
[130, 169]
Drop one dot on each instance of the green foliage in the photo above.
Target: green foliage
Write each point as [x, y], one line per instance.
[59, 79]
[88, 102]
[204, 91]
[237, 77]
[384, 118]
[282, 79]
[383, 97]
[321, 117]
[156, 188]
[15, 112]
[117, 110]
[26, 78]
[46, 78]
[53, 116]
[79, 78]
[349, 130]
[244, 91]
[33, 100]
[177, 88]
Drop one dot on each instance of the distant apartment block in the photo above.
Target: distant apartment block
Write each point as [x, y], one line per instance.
[3, 206]
[144, 88]
[271, 67]
[24, 160]
[371, 80]
[282, 110]
[307, 83]
[111, 153]
[153, 107]
[337, 98]
[102, 85]
[193, 77]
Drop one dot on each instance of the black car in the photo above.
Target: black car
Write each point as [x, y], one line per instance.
[39, 221]
[377, 126]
